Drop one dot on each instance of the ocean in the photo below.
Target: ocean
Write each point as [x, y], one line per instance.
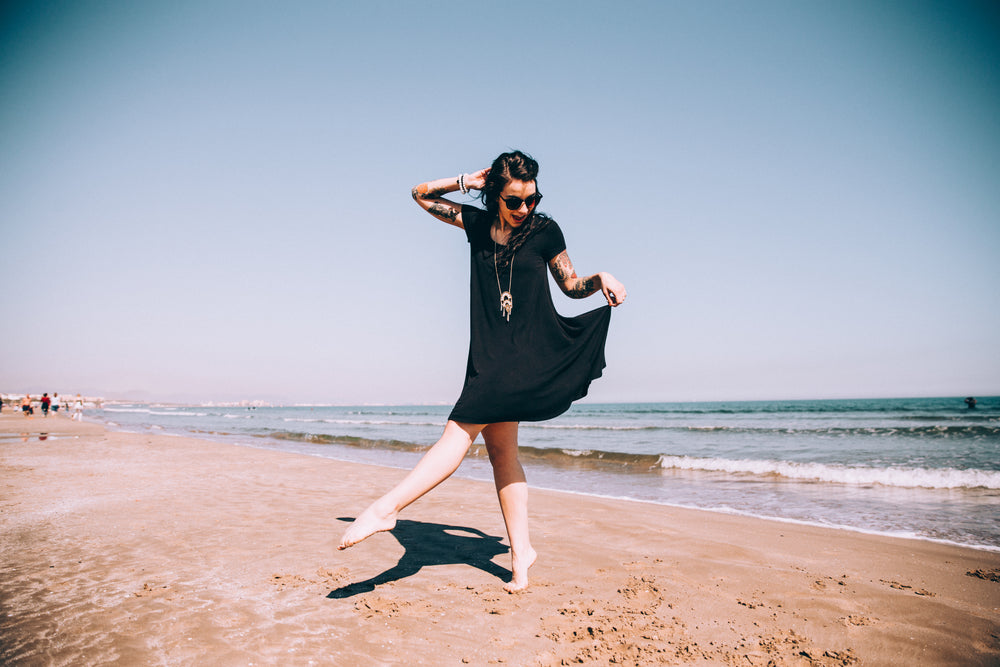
[926, 468]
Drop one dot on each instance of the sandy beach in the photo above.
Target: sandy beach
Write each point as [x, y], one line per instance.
[142, 549]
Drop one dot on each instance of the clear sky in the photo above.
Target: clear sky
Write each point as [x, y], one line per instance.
[211, 200]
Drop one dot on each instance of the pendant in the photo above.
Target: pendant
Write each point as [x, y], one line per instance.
[506, 304]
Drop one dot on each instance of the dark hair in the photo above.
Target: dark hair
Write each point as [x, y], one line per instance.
[513, 166]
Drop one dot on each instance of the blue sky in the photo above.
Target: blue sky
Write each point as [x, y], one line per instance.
[210, 200]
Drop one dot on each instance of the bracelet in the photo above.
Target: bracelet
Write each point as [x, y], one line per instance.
[461, 184]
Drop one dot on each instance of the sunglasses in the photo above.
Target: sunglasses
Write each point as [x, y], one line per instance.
[514, 203]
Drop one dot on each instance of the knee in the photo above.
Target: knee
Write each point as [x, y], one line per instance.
[502, 456]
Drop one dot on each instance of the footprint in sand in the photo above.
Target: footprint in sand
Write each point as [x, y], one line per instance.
[904, 587]
[988, 575]
[857, 620]
[325, 578]
[151, 590]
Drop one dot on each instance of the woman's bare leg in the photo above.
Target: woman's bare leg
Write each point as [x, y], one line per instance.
[437, 465]
[512, 490]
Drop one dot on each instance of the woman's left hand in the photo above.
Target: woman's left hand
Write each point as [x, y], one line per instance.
[477, 180]
[613, 290]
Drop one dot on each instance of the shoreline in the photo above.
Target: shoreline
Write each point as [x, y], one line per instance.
[759, 517]
[466, 471]
[170, 549]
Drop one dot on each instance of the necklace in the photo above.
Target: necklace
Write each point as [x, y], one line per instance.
[506, 299]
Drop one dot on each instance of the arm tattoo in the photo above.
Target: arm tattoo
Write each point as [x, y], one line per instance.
[565, 275]
[581, 288]
[443, 212]
[563, 269]
[422, 191]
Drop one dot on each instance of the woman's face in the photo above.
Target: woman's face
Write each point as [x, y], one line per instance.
[520, 190]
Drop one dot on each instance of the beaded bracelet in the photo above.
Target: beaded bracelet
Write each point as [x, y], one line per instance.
[461, 184]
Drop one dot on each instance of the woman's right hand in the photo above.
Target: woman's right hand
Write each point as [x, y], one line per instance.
[477, 180]
[613, 290]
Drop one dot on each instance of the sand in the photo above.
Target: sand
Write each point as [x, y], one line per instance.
[151, 549]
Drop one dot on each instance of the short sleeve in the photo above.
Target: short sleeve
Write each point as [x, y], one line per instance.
[551, 241]
[472, 222]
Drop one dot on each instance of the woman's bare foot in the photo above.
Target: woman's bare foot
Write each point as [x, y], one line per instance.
[519, 568]
[370, 522]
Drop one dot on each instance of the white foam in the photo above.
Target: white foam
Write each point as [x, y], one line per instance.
[942, 478]
[178, 414]
[587, 427]
[360, 422]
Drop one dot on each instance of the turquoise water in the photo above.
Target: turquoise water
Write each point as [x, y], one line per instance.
[926, 467]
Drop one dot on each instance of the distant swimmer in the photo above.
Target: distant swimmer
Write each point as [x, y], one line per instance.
[971, 402]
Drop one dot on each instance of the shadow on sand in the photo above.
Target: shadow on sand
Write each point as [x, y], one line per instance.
[433, 544]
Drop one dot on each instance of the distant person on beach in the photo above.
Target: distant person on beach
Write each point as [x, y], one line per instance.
[971, 402]
[46, 402]
[55, 403]
[525, 362]
[78, 409]
[26, 408]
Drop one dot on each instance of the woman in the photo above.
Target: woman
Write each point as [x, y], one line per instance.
[526, 362]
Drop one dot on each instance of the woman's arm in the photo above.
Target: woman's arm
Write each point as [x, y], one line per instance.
[429, 196]
[578, 288]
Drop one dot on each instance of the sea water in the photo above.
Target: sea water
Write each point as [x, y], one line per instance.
[923, 467]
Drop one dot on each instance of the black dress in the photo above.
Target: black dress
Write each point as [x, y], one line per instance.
[534, 366]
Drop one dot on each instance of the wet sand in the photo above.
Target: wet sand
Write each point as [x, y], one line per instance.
[146, 549]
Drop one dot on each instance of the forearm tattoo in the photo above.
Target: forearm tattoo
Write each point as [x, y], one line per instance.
[423, 191]
[565, 275]
[581, 288]
[443, 212]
